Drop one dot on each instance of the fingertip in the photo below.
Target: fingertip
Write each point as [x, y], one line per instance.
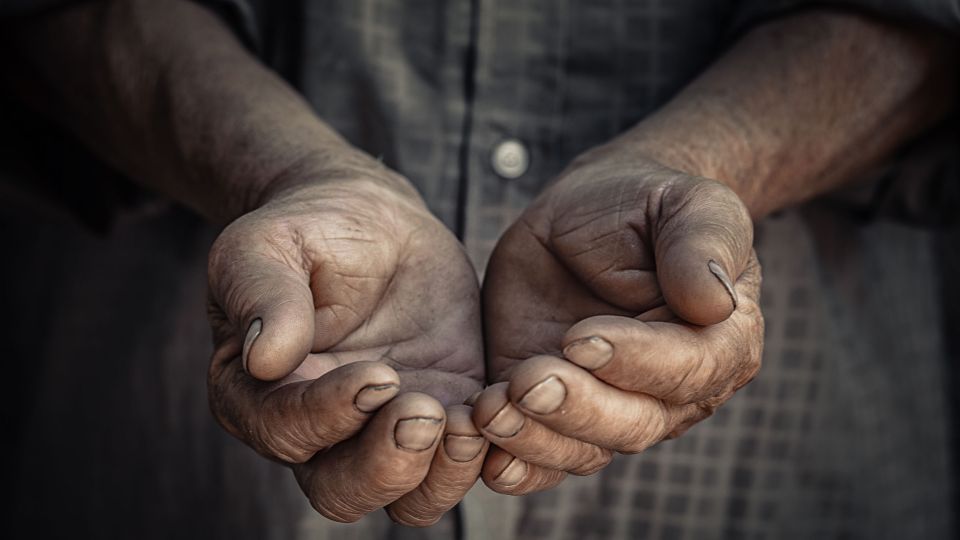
[401, 515]
[390, 458]
[378, 382]
[459, 421]
[697, 289]
[417, 404]
[541, 372]
[489, 403]
[253, 332]
[512, 474]
[701, 251]
[463, 448]
[454, 470]
[590, 353]
[504, 473]
[417, 433]
[376, 369]
[418, 420]
[274, 346]
[724, 279]
[372, 397]
[502, 470]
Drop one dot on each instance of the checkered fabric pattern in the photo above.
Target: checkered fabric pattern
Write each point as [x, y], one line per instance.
[842, 435]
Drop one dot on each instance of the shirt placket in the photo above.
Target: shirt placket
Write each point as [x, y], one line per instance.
[513, 115]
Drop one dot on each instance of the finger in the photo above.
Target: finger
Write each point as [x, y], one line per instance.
[704, 411]
[454, 470]
[287, 298]
[701, 247]
[510, 475]
[675, 362]
[447, 387]
[267, 301]
[607, 256]
[505, 426]
[572, 402]
[389, 458]
[294, 421]
[529, 299]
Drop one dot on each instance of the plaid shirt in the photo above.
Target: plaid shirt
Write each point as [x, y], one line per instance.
[826, 442]
[844, 433]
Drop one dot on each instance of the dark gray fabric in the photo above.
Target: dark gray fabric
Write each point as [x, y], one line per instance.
[30, 7]
[942, 13]
[818, 445]
[845, 433]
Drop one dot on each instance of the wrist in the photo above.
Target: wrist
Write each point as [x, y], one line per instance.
[701, 144]
[336, 166]
[744, 122]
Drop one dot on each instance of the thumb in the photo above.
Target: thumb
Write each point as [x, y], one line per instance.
[703, 244]
[268, 303]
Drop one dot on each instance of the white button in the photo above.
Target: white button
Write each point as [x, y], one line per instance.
[510, 159]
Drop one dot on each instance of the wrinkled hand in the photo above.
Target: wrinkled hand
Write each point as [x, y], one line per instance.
[611, 319]
[345, 319]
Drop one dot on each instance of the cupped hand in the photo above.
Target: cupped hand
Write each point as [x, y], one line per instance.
[346, 322]
[619, 310]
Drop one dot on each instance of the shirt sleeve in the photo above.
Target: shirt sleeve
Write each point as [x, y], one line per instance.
[46, 169]
[942, 13]
[12, 8]
[921, 183]
[241, 17]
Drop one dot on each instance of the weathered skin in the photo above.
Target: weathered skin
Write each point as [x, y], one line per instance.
[353, 294]
[608, 309]
[341, 294]
[580, 301]
[367, 332]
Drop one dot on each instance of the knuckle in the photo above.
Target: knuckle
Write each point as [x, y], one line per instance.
[282, 444]
[391, 485]
[517, 489]
[549, 455]
[414, 517]
[647, 432]
[600, 459]
[334, 500]
[678, 431]
[281, 450]
[694, 416]
[436, 494]
[335, 511]
[700, 371]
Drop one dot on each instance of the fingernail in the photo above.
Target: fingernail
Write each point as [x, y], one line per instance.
[372, 397]
[252, 334]
[472, 399]
[462, 448]
[545, 397]
[417, 434]
[506, 423]
[718, 271]
[512, 474]
[590, 353]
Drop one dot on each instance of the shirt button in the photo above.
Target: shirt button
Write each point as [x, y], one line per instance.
[510, 159]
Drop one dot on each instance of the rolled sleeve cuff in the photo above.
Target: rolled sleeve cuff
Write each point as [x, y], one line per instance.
[942, 13]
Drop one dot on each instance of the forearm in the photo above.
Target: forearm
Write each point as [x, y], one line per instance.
[162, 91]
[801, 105]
